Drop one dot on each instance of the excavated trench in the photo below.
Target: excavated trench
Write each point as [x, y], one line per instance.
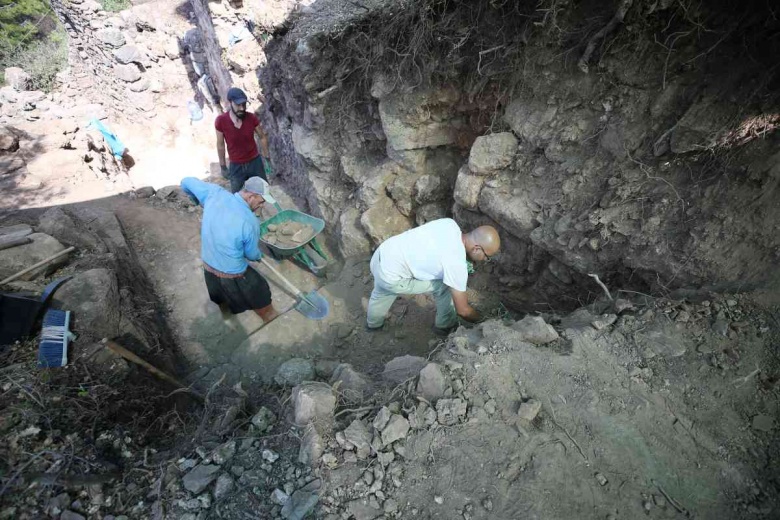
[631, 140]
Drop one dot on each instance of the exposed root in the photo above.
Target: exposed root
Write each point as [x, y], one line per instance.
[620, 14]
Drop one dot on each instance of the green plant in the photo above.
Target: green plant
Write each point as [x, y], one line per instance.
[42, 60]
[114, 6]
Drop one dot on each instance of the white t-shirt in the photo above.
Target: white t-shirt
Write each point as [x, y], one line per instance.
[433, 251]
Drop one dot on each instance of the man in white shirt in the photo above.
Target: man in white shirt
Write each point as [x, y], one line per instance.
[430, 259]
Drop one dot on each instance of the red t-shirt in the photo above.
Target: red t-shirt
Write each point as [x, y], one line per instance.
[240, 142]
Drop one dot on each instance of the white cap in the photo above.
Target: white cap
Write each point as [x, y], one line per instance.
[256, 185]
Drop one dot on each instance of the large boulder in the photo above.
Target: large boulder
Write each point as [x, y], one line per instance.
[130, 54]
[353, 240]
[58, 224]
[9, 141]
[127, 73]
[18, 78]
[294, 372]
[354, 386]
[468, 188]
[383, 220]
[420, 120]
[515, 212]
[93, 299]
[532, 120]
[111, 36]
[18, 258]
[432, 383]
[313, 147]
[493, 152]
[245, 56]
[534, 329]
[402, 368]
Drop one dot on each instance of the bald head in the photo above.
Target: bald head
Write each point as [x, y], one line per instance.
[482, 243]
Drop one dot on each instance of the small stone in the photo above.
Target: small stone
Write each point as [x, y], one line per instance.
[397, 428]
[529, 410]
[294, 372]
[487, 503]
[603, 321]
[357, 434]
[264, 419]
[647, 505]
[450, 411]
[70, 515]
[390, 506]
[438, 499]
[535, 330]
[330, 460]
[299, 505]
[224, 453]
[223, 486]
[270, 456]
[200, 477]
[721, 327]
[279, 497]
[601, 479]
[350, 457]
[683, 317]
[482, 350]
[764, 423]
[490, 407]
[145, 192]
[385, 458]
[731, 303]
[382, 418]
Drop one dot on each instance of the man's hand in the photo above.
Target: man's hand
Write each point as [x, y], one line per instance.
[224, 170]
[462, 307]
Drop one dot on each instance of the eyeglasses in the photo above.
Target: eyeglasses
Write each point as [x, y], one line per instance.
[487, 257]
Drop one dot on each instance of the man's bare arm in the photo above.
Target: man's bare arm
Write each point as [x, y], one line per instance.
[221, 149]
[261, 135]
[462, 307]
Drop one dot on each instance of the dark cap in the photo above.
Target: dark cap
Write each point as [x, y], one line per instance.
[236, 95]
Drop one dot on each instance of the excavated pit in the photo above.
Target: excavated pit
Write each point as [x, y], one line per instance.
[651, 162]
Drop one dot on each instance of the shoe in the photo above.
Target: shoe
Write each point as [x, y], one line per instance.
[444, 332]
[374, 329]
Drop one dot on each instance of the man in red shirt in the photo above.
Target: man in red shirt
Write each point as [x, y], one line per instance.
[237, 129]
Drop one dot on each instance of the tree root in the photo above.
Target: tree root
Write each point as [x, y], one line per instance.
[620, 14]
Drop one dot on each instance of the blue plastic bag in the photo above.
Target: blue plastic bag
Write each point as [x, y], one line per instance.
[117, 147]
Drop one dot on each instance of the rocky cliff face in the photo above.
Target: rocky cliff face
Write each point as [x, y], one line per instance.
[593, 151]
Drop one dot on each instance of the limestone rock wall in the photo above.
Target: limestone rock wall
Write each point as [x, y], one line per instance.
[643, 170]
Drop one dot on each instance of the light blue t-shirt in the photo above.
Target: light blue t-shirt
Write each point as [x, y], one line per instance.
[230, 231]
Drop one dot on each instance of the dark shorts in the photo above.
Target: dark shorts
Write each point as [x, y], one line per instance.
[238, 173]
[249, 292]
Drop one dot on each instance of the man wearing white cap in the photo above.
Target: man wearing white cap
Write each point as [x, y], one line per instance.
[229, 235]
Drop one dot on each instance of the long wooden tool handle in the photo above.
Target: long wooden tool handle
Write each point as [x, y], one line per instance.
[36, 266]
[279, 275]
[122, 351]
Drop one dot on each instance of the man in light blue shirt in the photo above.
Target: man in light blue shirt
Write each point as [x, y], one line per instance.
[230, 233]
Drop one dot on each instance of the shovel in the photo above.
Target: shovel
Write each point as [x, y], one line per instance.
[311, 305]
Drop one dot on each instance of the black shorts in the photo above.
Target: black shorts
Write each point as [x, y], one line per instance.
[248, 292]
[238, 173]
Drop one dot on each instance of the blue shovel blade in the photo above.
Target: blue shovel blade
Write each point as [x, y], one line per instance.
[313, 306]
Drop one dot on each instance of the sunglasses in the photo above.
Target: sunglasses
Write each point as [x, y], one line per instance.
[487, 257]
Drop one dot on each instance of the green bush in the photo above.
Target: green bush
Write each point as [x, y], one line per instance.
[114, 6]
[43, 60]
[23, 21]
[32, 38]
